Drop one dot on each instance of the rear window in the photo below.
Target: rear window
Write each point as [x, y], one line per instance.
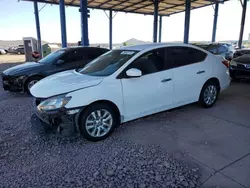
[181, 56]
[212, 48]
[222, 49]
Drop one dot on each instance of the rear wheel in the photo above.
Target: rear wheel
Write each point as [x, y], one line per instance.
[209, 94]
[30, 82]
[98, 121]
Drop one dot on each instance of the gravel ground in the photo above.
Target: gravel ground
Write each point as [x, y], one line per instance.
[29, 159]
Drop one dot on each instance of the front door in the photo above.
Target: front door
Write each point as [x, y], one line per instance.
[153, 91]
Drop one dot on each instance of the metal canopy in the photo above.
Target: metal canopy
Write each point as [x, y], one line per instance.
[166, 7]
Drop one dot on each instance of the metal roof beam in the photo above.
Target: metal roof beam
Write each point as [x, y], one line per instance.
[118, 4]
[191, 9]
[143, 6]
[99, 6]
[124, 8]
[149, 11]
[132, 4]
[175, 6]
[51, 2]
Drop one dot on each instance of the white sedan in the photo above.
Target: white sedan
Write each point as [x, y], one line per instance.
[129, 83]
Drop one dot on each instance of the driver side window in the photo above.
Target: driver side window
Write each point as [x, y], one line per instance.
[150, 62]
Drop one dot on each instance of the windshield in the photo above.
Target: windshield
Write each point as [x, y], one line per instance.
[108, 63]
[52, 57]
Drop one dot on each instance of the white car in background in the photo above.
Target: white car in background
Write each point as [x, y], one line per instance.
[129, 83]
[2, 51]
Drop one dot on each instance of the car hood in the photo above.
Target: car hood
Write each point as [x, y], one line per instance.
[63, 82]
[243, 59]
[19, 69]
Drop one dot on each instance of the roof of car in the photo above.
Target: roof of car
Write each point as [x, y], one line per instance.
[74, 47]
[149, 46]
[244, 49]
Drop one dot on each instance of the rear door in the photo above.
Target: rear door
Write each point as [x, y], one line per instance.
[191, 69]
[71, 60]
[90, 54]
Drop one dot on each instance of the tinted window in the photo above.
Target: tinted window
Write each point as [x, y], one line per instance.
[72, 55]
[108, 63]
[181, 56]
[92, 53]
[150, 62]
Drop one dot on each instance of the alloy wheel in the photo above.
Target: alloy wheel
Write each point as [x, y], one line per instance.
[31, 83]
[210, 94]
[99, 123]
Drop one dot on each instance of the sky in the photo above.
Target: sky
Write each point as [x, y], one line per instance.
[17, 20]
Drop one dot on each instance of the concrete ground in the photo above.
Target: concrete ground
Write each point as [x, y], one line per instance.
[217, 139]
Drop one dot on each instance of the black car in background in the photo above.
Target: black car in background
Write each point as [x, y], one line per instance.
[224, 49]
[16, 50]
[23, 77]
[241, 52]
[240, 67]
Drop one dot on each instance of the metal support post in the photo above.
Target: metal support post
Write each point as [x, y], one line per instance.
[187, 21]
[63, 23]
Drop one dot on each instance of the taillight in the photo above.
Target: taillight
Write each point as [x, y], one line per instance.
[226, 63]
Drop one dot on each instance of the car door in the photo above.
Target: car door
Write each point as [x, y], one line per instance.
[191, 69]
[90, 54]
[70, 60]
[153, 91]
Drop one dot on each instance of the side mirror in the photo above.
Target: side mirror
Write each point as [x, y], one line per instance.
[59, 62]
[134, 72]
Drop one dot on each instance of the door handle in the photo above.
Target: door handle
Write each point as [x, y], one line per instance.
[166, 80]
[200, 72]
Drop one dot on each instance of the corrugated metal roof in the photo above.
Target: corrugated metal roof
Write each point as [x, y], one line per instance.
[166, 7]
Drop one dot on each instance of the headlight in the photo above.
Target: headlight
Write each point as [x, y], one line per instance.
[54, 103]
[19, 79]
[233, 63]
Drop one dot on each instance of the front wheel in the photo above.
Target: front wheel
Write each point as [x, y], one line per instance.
[30, 82]
[209, 94]
[97, 121]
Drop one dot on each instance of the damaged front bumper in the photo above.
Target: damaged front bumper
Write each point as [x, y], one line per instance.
[12, 83]
[63, 121]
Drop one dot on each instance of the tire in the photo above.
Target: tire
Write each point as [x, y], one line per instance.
[29, 81]
[19, 53]
[207, 99]
[95, 126]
